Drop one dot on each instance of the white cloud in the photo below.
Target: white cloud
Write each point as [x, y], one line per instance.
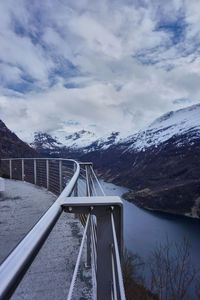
[122, 70]
[96, 36]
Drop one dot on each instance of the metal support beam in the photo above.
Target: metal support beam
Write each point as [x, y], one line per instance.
[10, 168]
[104, 262]
[60, 176]
[47, 173]
[76, 185]
[35, 171]
[102, 207]
[88, 254]
[89, 194]
[22, 169]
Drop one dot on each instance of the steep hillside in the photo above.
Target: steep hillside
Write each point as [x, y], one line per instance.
[161, 165]
[173, 124]
[12, 146]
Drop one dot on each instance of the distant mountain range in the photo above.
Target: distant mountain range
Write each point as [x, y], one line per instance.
[160, 165]
[78, 142]
[174, 123]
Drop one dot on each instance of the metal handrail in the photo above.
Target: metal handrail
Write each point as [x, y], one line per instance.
[118, 264]
[15, 266]
[99, 215]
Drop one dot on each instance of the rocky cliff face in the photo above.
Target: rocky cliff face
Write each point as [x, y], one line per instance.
[161, 165]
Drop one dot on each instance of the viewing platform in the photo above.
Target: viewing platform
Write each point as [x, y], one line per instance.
[81, 258]
[50, 275]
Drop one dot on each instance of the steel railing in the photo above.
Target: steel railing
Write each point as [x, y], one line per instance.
[80, 192]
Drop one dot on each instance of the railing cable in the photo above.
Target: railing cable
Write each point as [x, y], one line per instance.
[118, 264]
[114, 285]
[78, 261]
[87, 183]
[93, 185]
[98, 182]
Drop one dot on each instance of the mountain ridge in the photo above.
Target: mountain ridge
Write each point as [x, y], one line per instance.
[160, 165]
[159, 131]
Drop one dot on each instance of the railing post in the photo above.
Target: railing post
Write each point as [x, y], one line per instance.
[47, 173]
[35, 171]
[87, 182]
[88, 261]
[104, 262]
[76, 192]
[76, 185]
[60, 176]
[88, 193]
[22, 169]
[10, 168]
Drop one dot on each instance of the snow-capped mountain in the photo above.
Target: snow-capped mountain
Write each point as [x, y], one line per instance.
[79, 139]
[160, 164]
[181, 126]
[84, 141]
[61, 139]
[172, 124]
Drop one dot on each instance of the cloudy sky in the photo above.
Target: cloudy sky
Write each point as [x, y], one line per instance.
[99, 65]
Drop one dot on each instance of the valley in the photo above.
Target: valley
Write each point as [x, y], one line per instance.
[160, 165]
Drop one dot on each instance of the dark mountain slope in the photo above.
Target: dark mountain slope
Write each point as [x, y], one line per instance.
[161, 165]
[12, 146]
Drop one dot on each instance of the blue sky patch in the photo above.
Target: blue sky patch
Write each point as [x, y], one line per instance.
[175, 29]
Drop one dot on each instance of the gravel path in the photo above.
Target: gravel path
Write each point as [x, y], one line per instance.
[49, 277]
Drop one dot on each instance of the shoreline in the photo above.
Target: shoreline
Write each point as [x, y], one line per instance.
[161, 211]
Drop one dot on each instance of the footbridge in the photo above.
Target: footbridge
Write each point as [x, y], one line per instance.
[79, 192]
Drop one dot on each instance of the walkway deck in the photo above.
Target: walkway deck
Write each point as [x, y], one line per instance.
[49, 277]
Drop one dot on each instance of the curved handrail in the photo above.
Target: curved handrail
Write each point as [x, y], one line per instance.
[23, 255]
[106, 214]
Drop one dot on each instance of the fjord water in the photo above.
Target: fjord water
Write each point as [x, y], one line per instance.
[143, 230]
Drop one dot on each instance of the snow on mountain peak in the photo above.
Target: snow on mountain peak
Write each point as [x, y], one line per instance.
[81, 139]
[171, 124]
[174, 123]
[189, 116]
